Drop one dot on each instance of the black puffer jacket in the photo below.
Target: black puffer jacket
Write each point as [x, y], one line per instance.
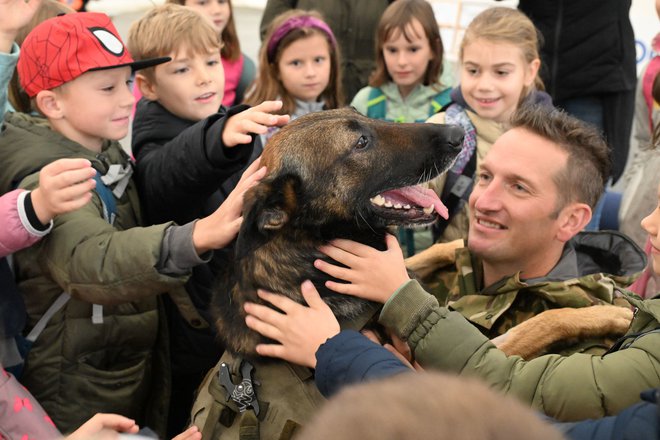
[184, 172]
[589, 46]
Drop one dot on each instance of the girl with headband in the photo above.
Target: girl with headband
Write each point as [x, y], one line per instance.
[299, 65]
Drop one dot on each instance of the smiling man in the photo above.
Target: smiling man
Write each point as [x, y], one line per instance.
[533, 194]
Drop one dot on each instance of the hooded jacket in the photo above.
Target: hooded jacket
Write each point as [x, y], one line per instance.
[118, 363]
[412, 108]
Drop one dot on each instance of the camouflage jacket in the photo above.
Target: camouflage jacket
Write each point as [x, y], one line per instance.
[592, 265]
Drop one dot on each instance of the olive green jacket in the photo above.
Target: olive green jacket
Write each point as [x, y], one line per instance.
[76, 367]
[573, 387]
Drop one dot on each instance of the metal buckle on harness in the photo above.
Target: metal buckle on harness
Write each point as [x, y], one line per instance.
[243, 393]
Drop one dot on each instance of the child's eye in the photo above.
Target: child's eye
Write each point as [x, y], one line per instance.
[471, 70]
[502, 72]
[414, 49]
[319, 60]
[180, 70]
[108, 89]
[295, 63]
[212, 62]
[390, 50]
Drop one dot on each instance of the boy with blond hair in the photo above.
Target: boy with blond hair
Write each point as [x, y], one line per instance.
[91, 288]
[187, 163]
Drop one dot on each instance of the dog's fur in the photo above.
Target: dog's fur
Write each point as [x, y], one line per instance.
[323, 169]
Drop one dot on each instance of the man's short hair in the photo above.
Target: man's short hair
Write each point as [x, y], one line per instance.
[588, 166]
[165, 29]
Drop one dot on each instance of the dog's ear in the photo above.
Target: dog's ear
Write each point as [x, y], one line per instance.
[268, 207]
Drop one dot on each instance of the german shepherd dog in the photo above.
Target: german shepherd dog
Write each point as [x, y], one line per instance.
[331, 174]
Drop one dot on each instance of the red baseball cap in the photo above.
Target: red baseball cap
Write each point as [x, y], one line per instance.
[62, 48]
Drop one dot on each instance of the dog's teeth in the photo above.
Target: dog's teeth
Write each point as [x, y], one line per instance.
[398, 206]
[406, 206]
[388, 204]
[429, 209]
[378, 200]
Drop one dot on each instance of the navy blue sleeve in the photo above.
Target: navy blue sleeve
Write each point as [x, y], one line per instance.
[349, 358]
[639, 421]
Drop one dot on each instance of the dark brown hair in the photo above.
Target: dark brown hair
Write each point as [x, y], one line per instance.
[397, 18]
[267, 85]
[588, 165]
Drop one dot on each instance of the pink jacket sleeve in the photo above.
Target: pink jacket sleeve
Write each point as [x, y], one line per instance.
[21, 416]
[16, 232]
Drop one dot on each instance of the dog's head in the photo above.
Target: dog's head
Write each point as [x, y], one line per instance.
[331, 174]
[336, 171]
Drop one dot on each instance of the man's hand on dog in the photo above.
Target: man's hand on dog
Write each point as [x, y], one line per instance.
[371, 274]
[300, 330]
[220, 228]
[253, 120]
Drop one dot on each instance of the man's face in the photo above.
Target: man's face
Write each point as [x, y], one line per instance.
[96, 106]
[514, 201]
[191, 86]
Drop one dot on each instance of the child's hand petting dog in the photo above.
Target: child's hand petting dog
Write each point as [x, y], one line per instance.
[300, 330]
[220, 228]
[373, 275]
[253, 120]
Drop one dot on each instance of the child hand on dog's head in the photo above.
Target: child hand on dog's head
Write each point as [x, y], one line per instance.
[299, 65]
[191, 86]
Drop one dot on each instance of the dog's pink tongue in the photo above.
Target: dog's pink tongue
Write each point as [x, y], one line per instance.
[419, 196]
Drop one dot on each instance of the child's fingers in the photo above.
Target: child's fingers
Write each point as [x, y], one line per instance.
[62, 165]
[340, 255]
[352, 247]
[392, 242]
[267, 106]
[311, 295]
[263, 328]
[282, 302]
[272, 350]
[341, 273]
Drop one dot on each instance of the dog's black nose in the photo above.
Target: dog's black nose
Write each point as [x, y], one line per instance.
[455, 136]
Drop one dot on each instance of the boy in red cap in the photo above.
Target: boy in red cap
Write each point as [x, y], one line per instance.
[91, 288]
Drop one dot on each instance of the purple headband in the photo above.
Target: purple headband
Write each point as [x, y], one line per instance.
[297, 23]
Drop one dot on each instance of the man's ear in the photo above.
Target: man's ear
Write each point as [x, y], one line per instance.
[146, 87]
[267, 208]
[572, 219]
[47, 101]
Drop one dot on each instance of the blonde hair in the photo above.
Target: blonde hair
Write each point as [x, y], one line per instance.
[397, 17]
[506, 25]
[48, 9]
[426, 405]
[231, 48]
[268, 86]
[165, 29]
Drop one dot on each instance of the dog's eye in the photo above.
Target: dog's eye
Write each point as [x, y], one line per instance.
[361, 143]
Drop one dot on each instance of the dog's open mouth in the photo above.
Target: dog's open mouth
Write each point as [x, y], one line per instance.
[409, 205]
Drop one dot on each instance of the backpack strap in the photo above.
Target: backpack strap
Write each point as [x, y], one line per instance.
[458, 185]
[376, 104]
[439, 101]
